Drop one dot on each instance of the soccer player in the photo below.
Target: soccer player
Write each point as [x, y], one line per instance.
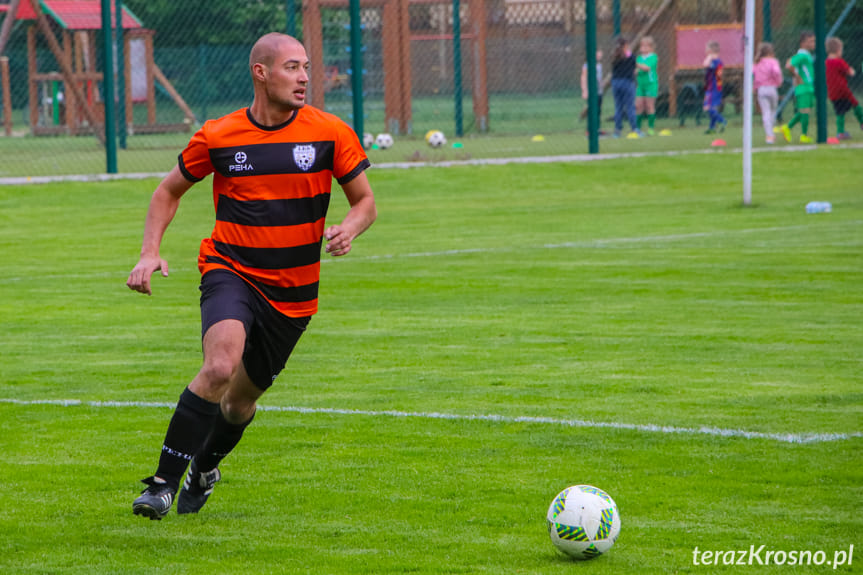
[623, 87]
[272, 165]
[802, 67]
[713, 88]
[646, 83]
[837, 73]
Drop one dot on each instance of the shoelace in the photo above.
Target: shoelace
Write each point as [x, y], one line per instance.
[154, 486]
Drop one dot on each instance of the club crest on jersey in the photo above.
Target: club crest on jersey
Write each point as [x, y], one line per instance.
[304, 157]
[240, 163]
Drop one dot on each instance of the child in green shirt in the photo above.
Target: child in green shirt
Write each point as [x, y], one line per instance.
[646, 83]
[802, 67]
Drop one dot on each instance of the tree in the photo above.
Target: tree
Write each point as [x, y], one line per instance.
[213, 22]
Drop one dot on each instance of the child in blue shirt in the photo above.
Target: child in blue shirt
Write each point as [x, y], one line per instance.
[713, 88]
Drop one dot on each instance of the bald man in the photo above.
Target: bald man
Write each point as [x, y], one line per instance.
[272, 164]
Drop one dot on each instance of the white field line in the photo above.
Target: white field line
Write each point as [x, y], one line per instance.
[575, 158]
[588, 244]
[570, 158]
[797, 438]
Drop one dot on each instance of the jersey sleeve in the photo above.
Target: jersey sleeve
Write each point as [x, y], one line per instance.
[350, 158]
[194, 161]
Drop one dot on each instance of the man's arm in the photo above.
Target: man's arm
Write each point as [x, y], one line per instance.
[362, 214]
[163, 206]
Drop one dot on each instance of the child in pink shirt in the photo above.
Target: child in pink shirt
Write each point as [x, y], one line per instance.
[767, 78]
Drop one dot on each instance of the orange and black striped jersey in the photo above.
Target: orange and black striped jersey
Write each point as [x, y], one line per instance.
[271, 189]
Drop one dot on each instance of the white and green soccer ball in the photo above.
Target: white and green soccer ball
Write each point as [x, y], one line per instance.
[583, 521]
[384, 141]
[368, 141]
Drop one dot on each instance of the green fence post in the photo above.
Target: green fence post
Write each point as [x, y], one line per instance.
[616, 16]
[205, 84]
[357, 67]
[766, 24]
[108, 89]
[592, 80]
[121, 78]
[291, 18]
[456, 67]
[820, 70]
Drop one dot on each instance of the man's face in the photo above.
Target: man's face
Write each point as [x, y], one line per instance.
[288, 76]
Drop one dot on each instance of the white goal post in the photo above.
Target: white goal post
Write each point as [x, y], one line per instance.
[748, 57]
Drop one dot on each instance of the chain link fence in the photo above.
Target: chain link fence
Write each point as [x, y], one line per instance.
[503, 79]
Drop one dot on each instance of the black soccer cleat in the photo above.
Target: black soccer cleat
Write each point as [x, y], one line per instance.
[196, 489]
[155, 501]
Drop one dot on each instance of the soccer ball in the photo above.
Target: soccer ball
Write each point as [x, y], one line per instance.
[368, 140]
[435, 138]
[583, 521]
[384, 141]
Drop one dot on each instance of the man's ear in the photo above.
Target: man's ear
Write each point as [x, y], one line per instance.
[259, 72]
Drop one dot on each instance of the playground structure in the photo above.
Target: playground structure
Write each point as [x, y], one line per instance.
[396, 35]
[71, 101]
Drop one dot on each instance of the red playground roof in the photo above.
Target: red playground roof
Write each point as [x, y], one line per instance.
[76, 14]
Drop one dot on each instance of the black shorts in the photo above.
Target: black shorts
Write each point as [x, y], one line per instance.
[842, 106]
[270, 335]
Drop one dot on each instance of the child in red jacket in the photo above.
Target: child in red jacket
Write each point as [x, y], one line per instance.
[837, 72]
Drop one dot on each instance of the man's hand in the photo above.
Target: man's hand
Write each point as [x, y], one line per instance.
[338, 240]
[139, 279]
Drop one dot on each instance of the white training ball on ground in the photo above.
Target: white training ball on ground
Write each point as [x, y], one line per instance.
[435, 138]
[583, 521]
[384, 141]
[368, 140]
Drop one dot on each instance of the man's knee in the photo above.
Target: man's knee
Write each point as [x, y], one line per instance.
[218, 370]
[223, 351]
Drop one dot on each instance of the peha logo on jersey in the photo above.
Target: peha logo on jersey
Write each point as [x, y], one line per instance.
[253, 160]
[240, 163]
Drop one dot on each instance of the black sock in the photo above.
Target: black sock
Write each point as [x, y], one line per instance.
[190, 424]
[222, 440]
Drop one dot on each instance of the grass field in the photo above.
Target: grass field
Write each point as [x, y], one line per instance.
[502, 332]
